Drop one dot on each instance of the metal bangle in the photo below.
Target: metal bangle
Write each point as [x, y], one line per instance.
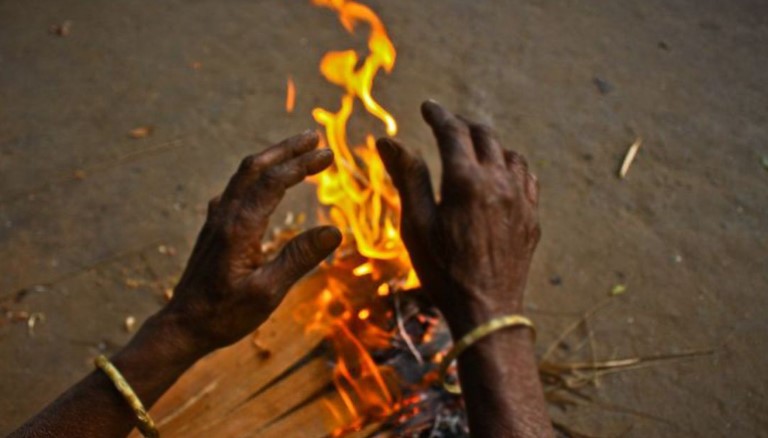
[145, 424]
[475, 335]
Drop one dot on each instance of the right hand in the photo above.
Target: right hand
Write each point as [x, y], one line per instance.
[229, 287]
[473, 249]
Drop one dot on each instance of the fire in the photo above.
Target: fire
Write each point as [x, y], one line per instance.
[360, 199]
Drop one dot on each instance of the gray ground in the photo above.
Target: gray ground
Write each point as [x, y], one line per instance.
[686, 231]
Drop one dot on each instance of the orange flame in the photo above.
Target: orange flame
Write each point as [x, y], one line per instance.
[361, 200]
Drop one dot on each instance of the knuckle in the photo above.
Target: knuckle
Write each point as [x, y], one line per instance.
[464, 174]
[454, 128]
[273, 178]
[463, 186]
[483, 130]
[534, 233]
[415, 167]
[518, 160]
[248, 163]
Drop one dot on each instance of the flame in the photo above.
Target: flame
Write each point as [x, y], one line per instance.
[357, 189]
[360, 199]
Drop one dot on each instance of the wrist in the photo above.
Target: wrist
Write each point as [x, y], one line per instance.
[163, 339]
[476, 307]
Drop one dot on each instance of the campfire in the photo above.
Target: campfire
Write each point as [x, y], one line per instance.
[385, 341]
[364, 341]
[355, 347]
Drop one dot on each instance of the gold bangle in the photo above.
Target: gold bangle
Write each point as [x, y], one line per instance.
[146, 425]
[475, 335]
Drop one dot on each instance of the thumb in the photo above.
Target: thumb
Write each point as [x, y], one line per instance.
[301, 254]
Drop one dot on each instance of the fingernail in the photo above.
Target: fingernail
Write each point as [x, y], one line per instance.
[329, 237]
[433, 101]
[323, 153]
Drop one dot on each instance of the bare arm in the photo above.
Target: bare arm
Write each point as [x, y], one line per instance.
[227, 290]
[472, 251]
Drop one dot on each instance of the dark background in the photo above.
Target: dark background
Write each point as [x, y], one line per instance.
[84, 208]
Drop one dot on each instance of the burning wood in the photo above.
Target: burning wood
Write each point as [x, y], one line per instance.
[384, 342]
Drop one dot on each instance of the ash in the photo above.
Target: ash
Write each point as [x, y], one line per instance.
[427, 409]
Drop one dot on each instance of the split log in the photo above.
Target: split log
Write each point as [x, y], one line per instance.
[266, 388]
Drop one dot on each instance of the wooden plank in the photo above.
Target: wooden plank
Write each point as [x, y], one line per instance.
[222, 386]
[277, 400]
[312, 421]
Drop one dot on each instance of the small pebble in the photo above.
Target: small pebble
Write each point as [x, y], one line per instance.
[62, 29]
[603, 86]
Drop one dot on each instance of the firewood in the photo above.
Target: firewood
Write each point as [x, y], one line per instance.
[236, 391]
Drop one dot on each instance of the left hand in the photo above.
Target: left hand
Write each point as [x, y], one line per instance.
[228, 288]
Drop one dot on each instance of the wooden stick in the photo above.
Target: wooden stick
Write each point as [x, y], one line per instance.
[630, 157]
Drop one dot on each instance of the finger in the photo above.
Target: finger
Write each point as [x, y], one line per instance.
[300, 255]
[267, 192]
[252, 211]
[487, 147]
[453, 139]
[518, 165]
[254, 165]
[410, 175]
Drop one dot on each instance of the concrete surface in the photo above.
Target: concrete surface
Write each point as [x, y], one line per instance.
[84, 208]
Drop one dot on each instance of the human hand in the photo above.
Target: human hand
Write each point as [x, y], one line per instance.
[228, 288]
[473, 249]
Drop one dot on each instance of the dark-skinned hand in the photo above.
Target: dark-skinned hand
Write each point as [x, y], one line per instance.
[228, 289]
[472, 249]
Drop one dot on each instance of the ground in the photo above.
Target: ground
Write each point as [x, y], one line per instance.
[90, 218]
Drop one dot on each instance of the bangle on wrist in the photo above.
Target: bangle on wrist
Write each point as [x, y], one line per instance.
[475, 335]
[145, 424]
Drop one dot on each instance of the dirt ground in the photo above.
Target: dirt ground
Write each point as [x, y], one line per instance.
[90, 218]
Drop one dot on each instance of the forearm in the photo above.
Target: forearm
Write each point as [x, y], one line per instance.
[499, 375]
[150, 363]
[227, 291]
[501, 387]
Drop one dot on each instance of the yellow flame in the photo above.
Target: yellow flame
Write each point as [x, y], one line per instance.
[361, 197]
[362, 201]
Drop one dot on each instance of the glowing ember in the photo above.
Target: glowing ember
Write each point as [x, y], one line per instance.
[290, 95]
